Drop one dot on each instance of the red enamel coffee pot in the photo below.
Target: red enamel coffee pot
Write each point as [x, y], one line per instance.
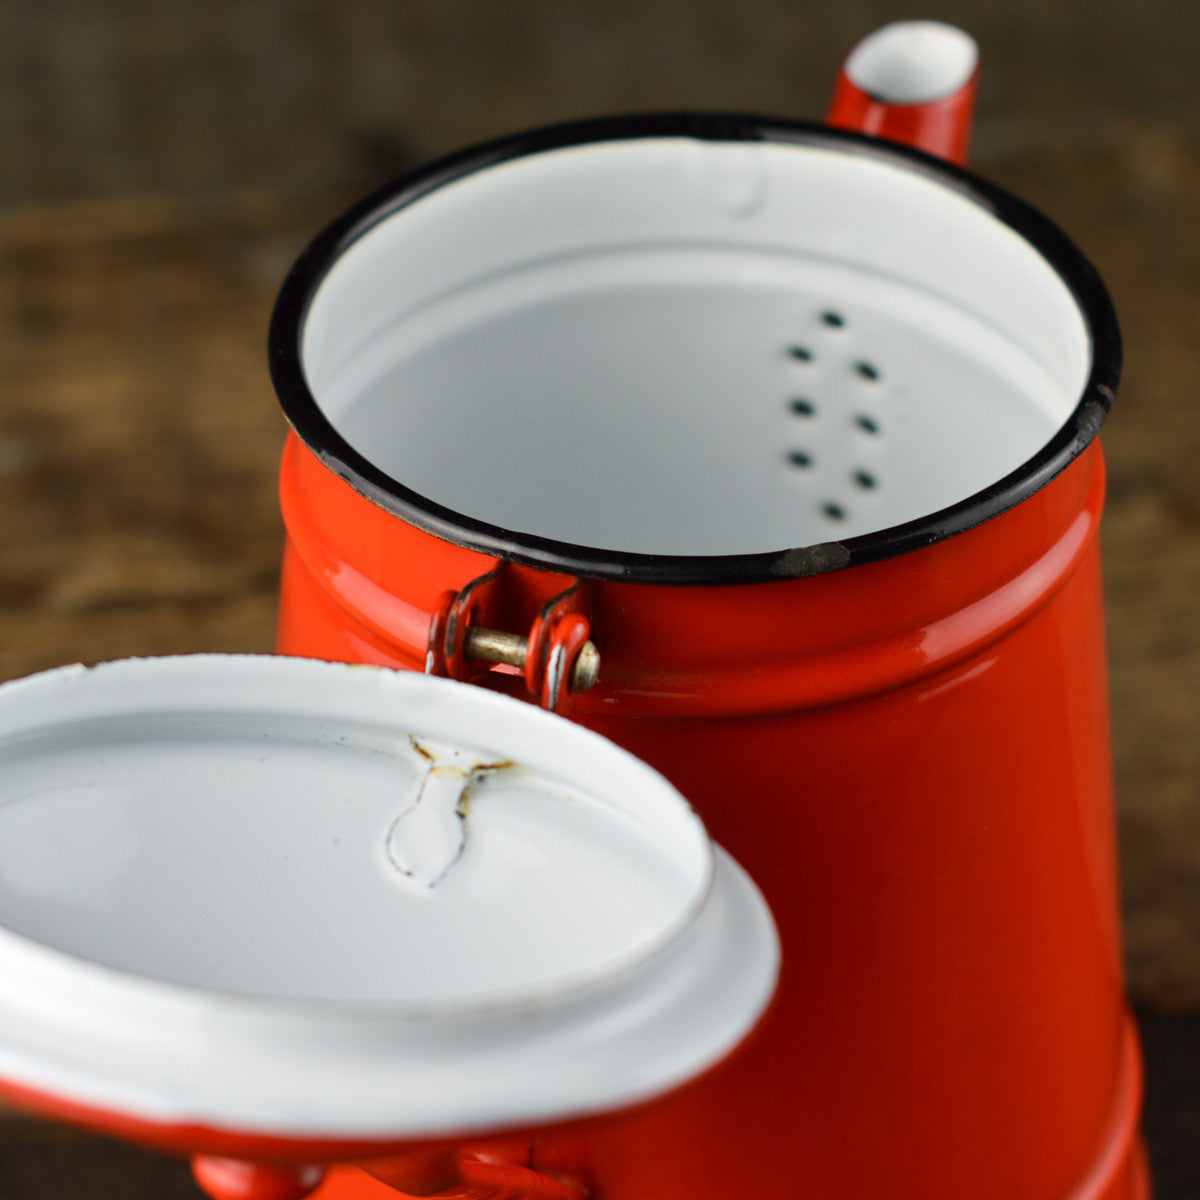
[768, 450]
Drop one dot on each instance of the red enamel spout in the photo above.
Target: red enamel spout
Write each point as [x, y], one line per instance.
[912, 82]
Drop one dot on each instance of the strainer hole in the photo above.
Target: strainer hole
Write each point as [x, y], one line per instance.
[834, 320]
[800, 459]
[800, 353]
[867, 424]
[865, 480]
[867, 371]
[835, 512]
[802, 407]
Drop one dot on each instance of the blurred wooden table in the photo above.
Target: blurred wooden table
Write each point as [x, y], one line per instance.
[138, 433]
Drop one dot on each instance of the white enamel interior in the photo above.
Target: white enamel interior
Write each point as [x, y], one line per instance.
[913, 62]
[678, 346]
[200, 918]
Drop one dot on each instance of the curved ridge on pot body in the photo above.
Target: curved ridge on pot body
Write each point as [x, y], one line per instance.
[899, 726]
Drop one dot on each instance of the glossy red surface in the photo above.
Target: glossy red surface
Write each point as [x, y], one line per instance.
[235, 1179]
[941, 127]
[912, 759]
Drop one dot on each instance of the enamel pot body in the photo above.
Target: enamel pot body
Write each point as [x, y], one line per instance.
[794, 431]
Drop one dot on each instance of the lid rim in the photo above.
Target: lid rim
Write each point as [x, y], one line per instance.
[389, 1106]
[118, 1046]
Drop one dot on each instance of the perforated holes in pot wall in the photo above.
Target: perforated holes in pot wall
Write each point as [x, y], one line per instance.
[838, 398]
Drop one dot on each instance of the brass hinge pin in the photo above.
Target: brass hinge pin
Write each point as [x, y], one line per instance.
[496, 646]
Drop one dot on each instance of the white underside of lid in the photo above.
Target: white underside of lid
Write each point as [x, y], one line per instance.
[233, 889]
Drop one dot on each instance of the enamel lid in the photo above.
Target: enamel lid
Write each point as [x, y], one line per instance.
[302, 899]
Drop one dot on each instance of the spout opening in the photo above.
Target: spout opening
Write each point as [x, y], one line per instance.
[913, 62]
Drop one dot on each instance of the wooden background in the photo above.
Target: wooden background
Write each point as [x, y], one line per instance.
[161, 163]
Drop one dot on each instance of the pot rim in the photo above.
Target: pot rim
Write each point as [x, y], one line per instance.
[318, 433]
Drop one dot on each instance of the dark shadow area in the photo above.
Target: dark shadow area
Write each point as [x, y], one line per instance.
[1172, 1121]
[43, 1161]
